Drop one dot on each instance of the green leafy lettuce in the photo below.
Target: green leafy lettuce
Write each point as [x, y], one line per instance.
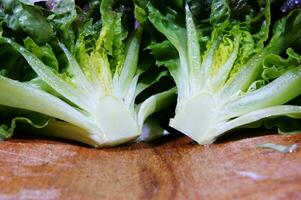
[231, 67]
[75, 74]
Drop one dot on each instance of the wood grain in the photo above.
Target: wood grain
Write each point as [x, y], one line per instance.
[176, 169]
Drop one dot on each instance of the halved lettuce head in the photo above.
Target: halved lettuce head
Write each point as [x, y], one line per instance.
[231, 66]
[77, 67]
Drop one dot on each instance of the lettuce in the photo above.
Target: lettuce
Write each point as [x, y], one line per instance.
[81, 75]
[97, 71]
[230, 69]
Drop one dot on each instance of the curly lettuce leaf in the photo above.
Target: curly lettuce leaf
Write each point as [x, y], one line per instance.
[29, 19]
[11, 118]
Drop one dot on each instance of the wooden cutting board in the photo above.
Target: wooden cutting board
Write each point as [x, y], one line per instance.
[171, 169]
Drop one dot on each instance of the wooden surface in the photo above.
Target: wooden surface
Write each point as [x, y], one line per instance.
[171, 169]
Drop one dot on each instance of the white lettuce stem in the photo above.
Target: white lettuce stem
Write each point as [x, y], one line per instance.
[79, 77]
[207, 115]
[18, 95]
[257, 115]
[155, 103]
[130, 65]
[102, 127]
[242, 80]
[50, 77]
[196, 75]
[280, 91]
[220, 79]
